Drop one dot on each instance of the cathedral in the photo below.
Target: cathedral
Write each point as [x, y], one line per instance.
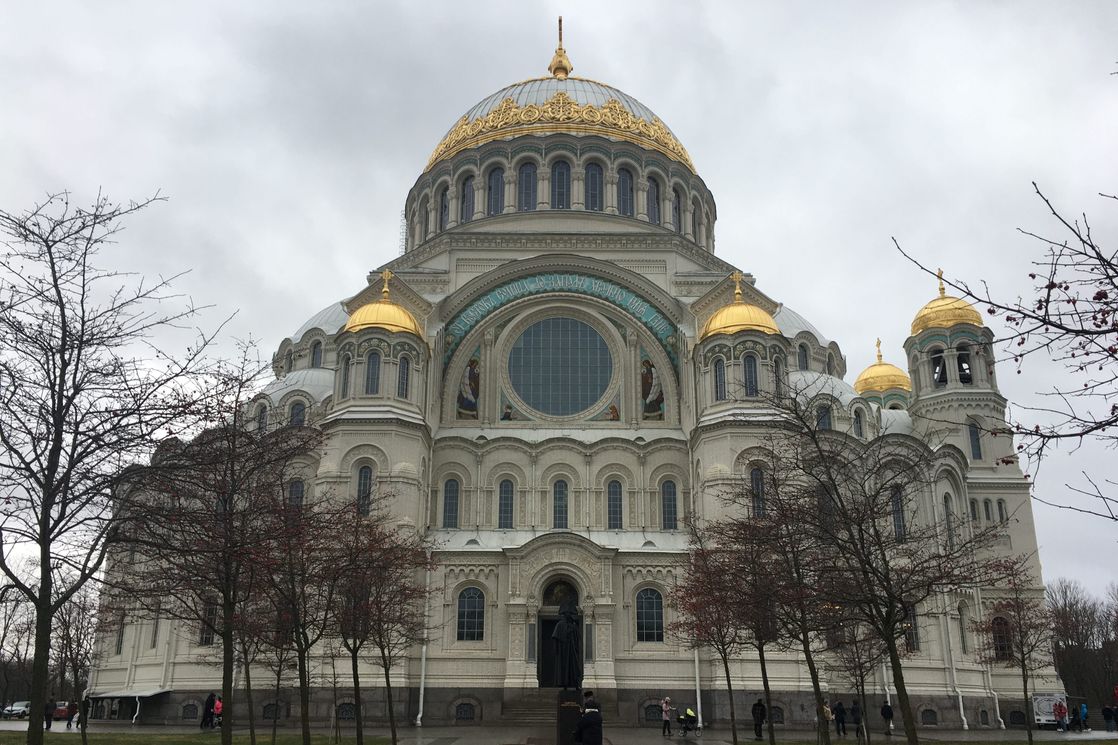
[550, 379]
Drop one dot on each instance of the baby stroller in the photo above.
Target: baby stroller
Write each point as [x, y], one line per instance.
[688, 722]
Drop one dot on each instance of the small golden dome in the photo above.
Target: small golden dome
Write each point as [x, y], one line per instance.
[383, 314]
[739, 316]
[881, 376]
[945, 311]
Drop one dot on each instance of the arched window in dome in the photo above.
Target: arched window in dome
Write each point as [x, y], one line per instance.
[372, 374]
[466, 200]
[654, 201]
[595, 188]
[939, 369]
[450, 503]
[859, 425]
[668, 507]
[504, 505]
[677, 210]
[560, 185]
[613, 505]
[364, 490]
[495, 193]
[526, 186]
[344, 371]
[749, 366]
[403, 375]
[962, 359]
[802, 357]
[422, 218]
[719, 380]
[298, 414]
[830, 364]
[625, 192]
[757, 488]
[288, 361]
[559, 505]
[778, 377]
[696, 213]
[975, 435]
[296, 489]
[896, 498]
[444, 208]
[316, 354]
[823, 417]
[262, 417]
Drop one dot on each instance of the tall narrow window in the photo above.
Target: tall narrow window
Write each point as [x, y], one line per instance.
[975, 440]
[118, 646]
[288, 361]
[372, 374]
[677, 211]
[988, 511]
[719, 380]
[403, 375]
[896, 498]
[823, 417]
[911, 630]
[316, 354]
[949, 521]
[668, 505]
[757, 487]
[830, 364]
[613, 505]
[154, 627]
[364, 490]
[296, 490]
[466, 200]
[261, 418]
[650, 616]
[559, 505]
[963, 623]
[962, 358]
[422, 217]
[750, 367]
[344, 376]
[1003, 513]
[625, 192]
[974, 510]
[939, 369]
[695, 222]
[1001, 639]
[560, 185]
[595, 188]
[444, 208]
[859, 425]
[298, 415]
[495, 195]
[471, 615]
[802, 357]
[653, 201]
[526, 186]
[209, 621]
[450, 503]
[504, 505]
[778, 377]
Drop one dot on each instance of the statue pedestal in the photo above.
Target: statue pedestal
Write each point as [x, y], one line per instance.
[568, 712]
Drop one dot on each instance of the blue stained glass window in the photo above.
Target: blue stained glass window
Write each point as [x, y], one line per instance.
[677, 211]
[750, 375]
[625, 192]
[526, 187]
[504, 505]
[595, 188]
[466, 200]
[650, 616]
[560, 366]
[298, 414]
[495, 199]
[668, 505]
[364, 490]
[613, 505]
[450, 503]
[654, 201]
[444, 208]
[719, 380]
[559, 504]
[402, 378]
[561, 185]
[471, 615]
[372, 374]
[757, 485]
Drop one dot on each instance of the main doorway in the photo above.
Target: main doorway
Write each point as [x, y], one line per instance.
[558, 595]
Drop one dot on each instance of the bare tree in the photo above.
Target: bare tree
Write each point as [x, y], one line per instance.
[86, 392]
[1085, 640]
[857, 655]
[76, 630]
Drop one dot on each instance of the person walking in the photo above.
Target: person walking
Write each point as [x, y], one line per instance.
[208, 712]
[218, 709]
[856, 719]
[1083, 717]
[1108, 718]
[759, 713]
[666, 710]
[840, 718]
[887, 715]
[589, 729]
[1060, 714]
[71, 710]
[48, 713]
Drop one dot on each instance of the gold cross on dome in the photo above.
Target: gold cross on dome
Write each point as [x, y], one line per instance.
[737, 277]
[879, 350]
[939, 276]
[385, 275]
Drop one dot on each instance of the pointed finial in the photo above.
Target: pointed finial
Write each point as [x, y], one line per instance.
[560, 66]
[736, 276]
[385, 275]
[879, 350]
[939, 275]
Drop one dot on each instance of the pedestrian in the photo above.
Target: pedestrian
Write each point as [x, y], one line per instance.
[856, 719]
[759, 713]
[1083, 717]
[589, 729]
[218, 708]
[83, 720]
[48, 713]
[71, 710]
[1108, 718]
[840, 718]
[208, 712]
[1060, 714]
[887, 715]
[666, 710]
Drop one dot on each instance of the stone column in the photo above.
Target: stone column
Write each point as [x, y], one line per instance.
[510, 192]
[578, 188]
[543, 188]
[479, 198]
[452, 198]
[688, 208]
[610, 179]
[641, 197]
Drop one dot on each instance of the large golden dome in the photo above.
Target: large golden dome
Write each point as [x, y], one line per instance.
[881, 376]
[945, 311]
[739, 316]
[384, 314]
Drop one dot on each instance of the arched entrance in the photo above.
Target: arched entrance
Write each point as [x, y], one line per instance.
[559, 595]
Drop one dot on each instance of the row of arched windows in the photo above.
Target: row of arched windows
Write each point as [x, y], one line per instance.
[560, 505]
[371, 385]
[296, 415]
[938, 366]
[988, 511]
[750, 379]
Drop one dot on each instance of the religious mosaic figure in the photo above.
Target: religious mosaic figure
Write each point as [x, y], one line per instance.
[468, 390]
[568, 657]
[652, 392]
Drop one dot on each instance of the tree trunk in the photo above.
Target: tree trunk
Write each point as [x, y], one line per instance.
[40, 674]
[387, 665]
[276, 701]
[823, 733]
[768, 693]
[357, 714]
[730, 692]
[248, 700]
[862, 704]
[228, 655]
[1028, 701]
[902, 693]
[304, 694]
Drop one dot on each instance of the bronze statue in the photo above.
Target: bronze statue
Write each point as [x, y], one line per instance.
[568, 648]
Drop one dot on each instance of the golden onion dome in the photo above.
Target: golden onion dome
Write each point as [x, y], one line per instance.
[945, 311]
[739, 316]
[383, 314]
[881, 376]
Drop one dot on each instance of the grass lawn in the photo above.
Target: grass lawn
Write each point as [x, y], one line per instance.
[181, 738]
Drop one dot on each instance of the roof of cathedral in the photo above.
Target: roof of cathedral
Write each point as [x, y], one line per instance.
[896, 422]
[329, 319]
[882, 376]
[318, 382]
[945, 311]
[808, 383]
[792, 323]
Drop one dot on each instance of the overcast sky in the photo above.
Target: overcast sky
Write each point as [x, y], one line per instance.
[287, 134]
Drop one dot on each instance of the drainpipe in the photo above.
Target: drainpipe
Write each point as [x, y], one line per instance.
[137, 715]
[423, 651]
[988, 675]
[698, 693]
[946, 626]
[885, 685]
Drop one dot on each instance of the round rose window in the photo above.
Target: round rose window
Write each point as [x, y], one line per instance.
[560, 366]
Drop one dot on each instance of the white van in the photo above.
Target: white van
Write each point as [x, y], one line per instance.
[1042, 708]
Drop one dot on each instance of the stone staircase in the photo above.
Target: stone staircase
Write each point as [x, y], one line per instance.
[531, 707]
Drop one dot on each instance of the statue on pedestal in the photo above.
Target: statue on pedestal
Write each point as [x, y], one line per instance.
[568, 648]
